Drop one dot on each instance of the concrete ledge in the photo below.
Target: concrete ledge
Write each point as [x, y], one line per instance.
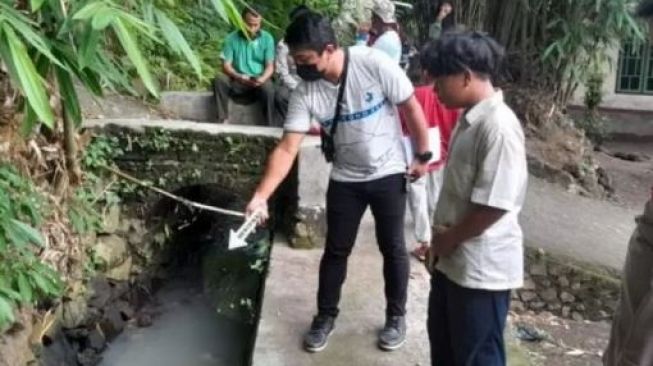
[180, 125]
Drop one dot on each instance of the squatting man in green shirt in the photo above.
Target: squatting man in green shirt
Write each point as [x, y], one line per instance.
[248, 66]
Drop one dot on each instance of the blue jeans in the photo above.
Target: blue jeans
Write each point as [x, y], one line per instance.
[466, 325]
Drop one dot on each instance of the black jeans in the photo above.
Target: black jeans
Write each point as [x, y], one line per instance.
[225, 88]
[346, 203]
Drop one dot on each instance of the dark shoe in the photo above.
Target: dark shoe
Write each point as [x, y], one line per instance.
[393, 335]
[318, 336]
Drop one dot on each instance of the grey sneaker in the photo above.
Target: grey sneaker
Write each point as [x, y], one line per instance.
[393, 335]
[317, 337]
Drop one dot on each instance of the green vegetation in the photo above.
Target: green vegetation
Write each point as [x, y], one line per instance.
[24, 278]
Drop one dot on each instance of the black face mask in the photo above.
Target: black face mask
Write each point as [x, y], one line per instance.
[309, 72]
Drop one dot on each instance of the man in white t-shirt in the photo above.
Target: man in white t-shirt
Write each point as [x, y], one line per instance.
[384, 35]
[369, 165]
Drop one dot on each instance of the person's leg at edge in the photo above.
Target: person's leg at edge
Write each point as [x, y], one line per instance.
[388, 204]
[419, 207]
[438, 324]
[476, 323]
[221, 87]
[345, 207]
[266, 91]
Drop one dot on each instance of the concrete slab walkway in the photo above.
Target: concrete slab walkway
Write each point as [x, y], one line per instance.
[289, 305]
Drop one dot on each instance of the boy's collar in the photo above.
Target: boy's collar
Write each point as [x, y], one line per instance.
[482, 108]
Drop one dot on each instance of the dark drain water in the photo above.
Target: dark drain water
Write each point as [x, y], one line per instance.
[206, 313]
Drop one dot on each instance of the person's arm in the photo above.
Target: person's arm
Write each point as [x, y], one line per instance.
[270, 49]
[279, 164]
[435, 30]
[416, 123]
[228, 68]
[499, 187]
[475, 223]
[283, 69]
[267, 74]
[399, 90]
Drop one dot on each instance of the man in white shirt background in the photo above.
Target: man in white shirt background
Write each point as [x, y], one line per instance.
[384, 34]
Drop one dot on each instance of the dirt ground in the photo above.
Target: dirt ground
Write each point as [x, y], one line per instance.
[630, 179]
[566, 343]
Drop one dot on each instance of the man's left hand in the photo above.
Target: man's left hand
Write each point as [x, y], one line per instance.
[444, 242]
[258, 82]
[417, 170]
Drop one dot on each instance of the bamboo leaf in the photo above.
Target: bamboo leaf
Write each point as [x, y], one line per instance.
[89, 10]
[29, 122]
[6, 312]
[36, 4]
[177, 41]
[29, 80]
[133, 52]
[221, 9]
[90, 41]
[27, 232]
[24, 288]
[103, 18]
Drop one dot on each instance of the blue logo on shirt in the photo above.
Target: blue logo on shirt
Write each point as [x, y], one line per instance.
[368, 97]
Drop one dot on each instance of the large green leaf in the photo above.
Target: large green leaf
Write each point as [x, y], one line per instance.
[27, 30]
[136, 57]
[25, 74]
[24, 288]
[176, 40]
[69, 96]
[26, 232]
[6, 312]
[89, 11]
[36, 4]
[103, 18]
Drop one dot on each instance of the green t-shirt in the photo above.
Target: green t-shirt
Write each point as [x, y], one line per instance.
[249, 56]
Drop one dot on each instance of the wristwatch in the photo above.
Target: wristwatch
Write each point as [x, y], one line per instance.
[424, 157]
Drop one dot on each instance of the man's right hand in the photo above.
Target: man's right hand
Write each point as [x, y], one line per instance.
[258, 204]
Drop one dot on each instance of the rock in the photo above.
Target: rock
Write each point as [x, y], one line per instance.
[549, 295]
[538, 269]
[529, 284]
[57, 351]
[126, 310]
[121, 272]
[100, 293]
[576, 286]
[119, 290]
[112, 324]
[528, 296]
[566, 311]
[563, 281]
[580, 307]
[111, 220]
[577, 316]
[537, 305]
[517, 306]
[554, 306]
[73, 313]
[567, 298]
[555, 270]
[604, 314]
[88, 358]
[144, 320]
[96, 340]
[110, 251]
[545, 282]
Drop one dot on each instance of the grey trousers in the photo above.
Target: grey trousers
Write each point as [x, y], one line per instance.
[631, 340]
[225, 89]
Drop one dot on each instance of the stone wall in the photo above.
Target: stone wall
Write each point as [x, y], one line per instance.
[566, 288]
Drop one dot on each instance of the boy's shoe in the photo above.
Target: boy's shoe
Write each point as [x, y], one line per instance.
[393, 335]
[317, 337]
